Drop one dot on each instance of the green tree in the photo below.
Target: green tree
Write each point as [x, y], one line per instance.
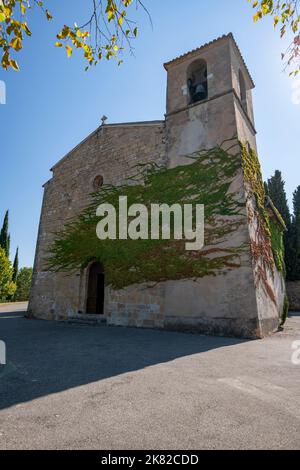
[23, 284]
[276, 191]
[104, 35]
[4, 236]
[286, 15]
[7, 286]
[16, 265]
[296, 236]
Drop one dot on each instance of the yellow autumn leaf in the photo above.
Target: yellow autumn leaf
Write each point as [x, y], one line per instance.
[14, 65]
[23, 8]
[16, 43]
[276, 20]
[49, 16]
[26, 29]
[69, 50]
[257, 16]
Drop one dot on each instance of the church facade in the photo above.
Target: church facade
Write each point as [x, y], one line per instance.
[209, 101]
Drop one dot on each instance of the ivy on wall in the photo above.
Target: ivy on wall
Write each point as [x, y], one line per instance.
[205, 181]
[267, 246]
[277, 245]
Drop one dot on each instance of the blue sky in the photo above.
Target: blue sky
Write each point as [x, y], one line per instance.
[52, 104]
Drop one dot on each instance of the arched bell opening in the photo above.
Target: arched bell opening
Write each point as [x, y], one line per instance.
[243, 91]
[197, 81]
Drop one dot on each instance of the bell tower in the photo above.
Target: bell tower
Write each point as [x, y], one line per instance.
[209, 99]
[209, 102]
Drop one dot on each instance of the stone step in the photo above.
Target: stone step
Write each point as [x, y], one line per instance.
[82, 319]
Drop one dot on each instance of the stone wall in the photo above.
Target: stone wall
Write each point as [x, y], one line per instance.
[137, 306]
[112, 151]
[293, 291]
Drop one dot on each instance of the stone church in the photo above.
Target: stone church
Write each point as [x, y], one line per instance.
[209, 100]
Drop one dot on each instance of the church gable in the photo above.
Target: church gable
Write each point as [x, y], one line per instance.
[112, 151]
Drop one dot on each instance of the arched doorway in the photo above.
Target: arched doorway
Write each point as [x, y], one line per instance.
[95, 289]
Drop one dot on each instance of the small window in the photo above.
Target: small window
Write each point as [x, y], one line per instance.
[243, 91]
[197, 81]
[98, 182]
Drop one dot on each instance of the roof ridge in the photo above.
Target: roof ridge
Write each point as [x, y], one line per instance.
[124, 124]
[224, 36]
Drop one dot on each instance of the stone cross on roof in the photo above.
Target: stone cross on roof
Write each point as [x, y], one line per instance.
[103, 120]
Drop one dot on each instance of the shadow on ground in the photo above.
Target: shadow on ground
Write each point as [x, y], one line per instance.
[48, 357]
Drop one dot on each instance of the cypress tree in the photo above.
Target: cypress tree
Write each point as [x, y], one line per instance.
[276, 191]
[16, 266]
[4, 235]
[266, 188]
[296, 235]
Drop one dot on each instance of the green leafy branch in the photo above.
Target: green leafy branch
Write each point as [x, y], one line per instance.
[286, 14]
[106, 34]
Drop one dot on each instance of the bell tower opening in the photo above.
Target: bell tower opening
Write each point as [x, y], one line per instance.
[95, 289]
[243, 91]
[197, 81]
